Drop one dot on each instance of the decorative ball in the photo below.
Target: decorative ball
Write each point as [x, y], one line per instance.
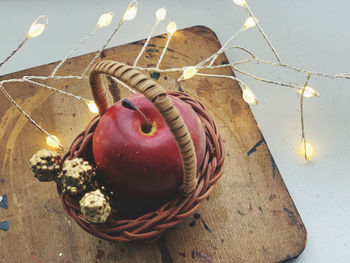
[95, 206]
[45, 165]
[77, 176]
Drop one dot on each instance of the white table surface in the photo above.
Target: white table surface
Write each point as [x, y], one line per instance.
[311, 34]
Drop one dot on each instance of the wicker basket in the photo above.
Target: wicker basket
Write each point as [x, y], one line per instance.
[197, 185]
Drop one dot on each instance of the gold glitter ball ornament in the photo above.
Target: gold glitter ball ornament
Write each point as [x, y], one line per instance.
[46, 165]
[77, 176]
[95, 206]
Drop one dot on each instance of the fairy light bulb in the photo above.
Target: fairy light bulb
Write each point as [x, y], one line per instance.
[92, 106]
[171, 28]
[131, 12]
[249, 23]
[306, 150]
[308, 92]
[249, 96]
[240, 2]
[35, 30]
[189, 72]
[37, 27]
[105, 19]
[160, 14]
[53, 142]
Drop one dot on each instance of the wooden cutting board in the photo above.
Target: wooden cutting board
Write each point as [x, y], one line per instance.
[249, 217]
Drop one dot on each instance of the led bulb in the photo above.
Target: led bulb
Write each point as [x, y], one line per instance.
[37, 27]
[92, 106]
[250, 22]
[131, 12]
[249, 96]
[240, 2]
[171, 28]
[53, 142]
[105, 19]
[309, 92]
[161, 14]
[189, 72]
[306, 150]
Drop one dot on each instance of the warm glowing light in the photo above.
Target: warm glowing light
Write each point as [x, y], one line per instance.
[171, 28]
[53, 142]
[249, 96]
[37, 27]
[306, 150]
[105, 19]
[309, 92]
[92, 106]
[189, 72]
[131, 12]
[250, 22]
[161, 14]
[240, 2]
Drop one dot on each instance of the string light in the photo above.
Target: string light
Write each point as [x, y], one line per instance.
[222, 49]
[249, 23]
[249, 96]
[4, 91]
[171, 28]
[160, 14]
[105, 19]
[188, 73]
[92, 106]
[308, 92]
[131, 12]
[306, 150]
[242, 3]
[53, 142]
[37, 27]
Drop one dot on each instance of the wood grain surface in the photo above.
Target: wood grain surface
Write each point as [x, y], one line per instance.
[249, 217]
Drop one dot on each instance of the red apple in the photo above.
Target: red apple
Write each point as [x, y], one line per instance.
[143, 168]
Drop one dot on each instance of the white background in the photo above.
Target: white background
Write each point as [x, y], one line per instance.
[312, 34]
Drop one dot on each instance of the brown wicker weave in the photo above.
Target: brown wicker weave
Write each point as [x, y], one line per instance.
[196, 186]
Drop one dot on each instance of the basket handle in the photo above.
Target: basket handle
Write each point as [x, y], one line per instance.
[157, 95]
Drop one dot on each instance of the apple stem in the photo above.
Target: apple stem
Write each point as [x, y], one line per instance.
[146, 127]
